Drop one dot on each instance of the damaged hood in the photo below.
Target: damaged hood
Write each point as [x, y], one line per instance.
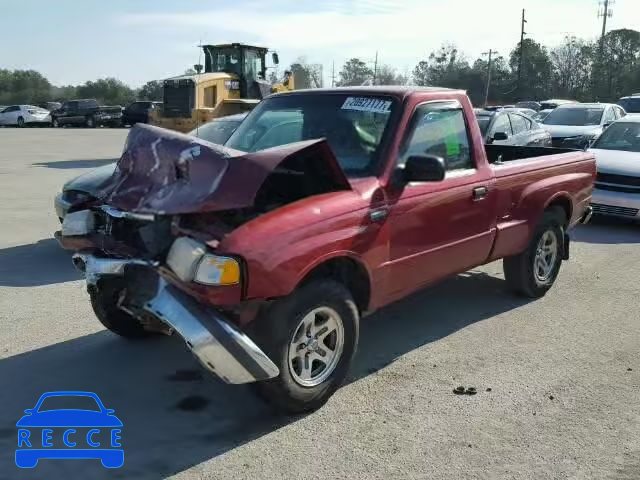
[165, 172]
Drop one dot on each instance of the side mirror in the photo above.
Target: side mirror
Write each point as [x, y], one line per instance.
[29, 411]
[274, 57]
[109, 411]
[500, 136]
[606, 124]
[424, 168]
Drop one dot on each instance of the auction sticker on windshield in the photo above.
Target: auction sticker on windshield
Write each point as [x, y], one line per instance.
[367, 104]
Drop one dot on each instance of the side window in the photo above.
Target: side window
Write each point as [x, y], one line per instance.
[13, 108]
[210, 97]
[439, 129]
[518, 124]
[609, 116]
[501, 124]
[72, 105]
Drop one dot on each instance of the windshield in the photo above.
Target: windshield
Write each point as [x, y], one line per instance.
[575, 116]
[224, 60]
[620, 136]
[484, 122]
[353, 125]
[69, 402]
[217, 131]
[631, 105]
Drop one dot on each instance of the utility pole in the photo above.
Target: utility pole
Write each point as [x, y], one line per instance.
[333, 73]
[522, 34]
[375, 68]
[605, 13]
[486, 92]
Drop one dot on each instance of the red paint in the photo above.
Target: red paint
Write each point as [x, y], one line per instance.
[433, 229]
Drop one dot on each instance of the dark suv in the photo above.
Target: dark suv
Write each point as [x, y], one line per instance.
[138, 112]
[88, 113]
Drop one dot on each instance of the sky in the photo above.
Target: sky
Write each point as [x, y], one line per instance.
[72, 41]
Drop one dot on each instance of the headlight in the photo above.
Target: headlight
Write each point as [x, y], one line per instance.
[217, 270]
[190, 262]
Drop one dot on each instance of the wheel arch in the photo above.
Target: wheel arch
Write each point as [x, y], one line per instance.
[346, 269]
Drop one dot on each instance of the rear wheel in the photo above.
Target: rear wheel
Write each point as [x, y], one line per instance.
[104, 301]
[311, 336]
[20, 122]
[55, 123]
[533, 272]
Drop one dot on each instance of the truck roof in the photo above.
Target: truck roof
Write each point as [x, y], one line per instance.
[395, 90]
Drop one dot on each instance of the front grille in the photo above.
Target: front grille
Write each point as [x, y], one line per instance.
[150, 238]
[618, 179]
[617, 188]
[612, 210]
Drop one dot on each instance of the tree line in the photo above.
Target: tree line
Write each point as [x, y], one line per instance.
[576, 69]
[31, 87]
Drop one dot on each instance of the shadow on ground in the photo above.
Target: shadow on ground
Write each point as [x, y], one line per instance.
[68, 164]
[40, 263]
[175, 415]
[607, 230]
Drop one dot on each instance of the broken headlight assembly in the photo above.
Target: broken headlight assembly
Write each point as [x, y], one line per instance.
[190, 261]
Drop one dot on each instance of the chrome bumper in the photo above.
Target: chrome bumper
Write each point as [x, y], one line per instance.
[61, 206]
[586, 216]
[219, 346]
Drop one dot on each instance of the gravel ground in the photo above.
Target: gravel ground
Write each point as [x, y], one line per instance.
[558, 379]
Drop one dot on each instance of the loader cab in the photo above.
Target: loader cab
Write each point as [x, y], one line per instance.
[245, 62]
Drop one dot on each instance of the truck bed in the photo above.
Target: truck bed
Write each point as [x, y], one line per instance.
[497, 154]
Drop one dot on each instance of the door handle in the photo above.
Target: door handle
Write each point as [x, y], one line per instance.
[480, 192]
[378, 214]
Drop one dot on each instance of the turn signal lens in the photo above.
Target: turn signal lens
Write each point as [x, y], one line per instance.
[216, 270]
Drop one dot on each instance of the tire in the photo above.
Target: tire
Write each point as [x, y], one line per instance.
[90, 121]
[55, 123]
[20, 122]
[283, 327]
[104, 301]
[524, 273]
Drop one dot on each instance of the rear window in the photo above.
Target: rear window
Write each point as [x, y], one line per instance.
[631, 105]
[483, 123]
[575, 116]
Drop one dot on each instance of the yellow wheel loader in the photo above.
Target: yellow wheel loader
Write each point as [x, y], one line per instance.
[233, 81]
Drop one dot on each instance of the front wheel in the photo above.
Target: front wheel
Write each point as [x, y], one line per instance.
[55, 123]
[20, 122]
[104, 301]
[311, 336]
[533, 272]
[90, 122]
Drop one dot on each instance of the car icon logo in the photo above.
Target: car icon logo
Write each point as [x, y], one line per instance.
[69, 425]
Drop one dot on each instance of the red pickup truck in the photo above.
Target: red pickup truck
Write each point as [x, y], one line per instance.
[323, 206]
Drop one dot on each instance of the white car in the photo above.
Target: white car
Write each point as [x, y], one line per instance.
[617, 186]
[21, 115]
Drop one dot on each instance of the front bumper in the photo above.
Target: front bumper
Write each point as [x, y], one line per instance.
[61, 206]
[617, 204]
[219, 346]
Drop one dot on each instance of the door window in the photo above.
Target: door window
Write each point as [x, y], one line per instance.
[439, 129]
[609, 116]
[501, 124]
[519, 124]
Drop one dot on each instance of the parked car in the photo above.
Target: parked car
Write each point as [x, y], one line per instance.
[510, 127]
[23, 115]
[138, 112]
[530, 104]
[617, 186]
[263, 261]
[631, 104]
[554, 103]
[542, 114]
[578, 125]
[84, 188]
[50, 106]
[87, 113]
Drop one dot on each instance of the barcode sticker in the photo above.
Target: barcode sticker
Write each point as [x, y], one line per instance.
[367, 104]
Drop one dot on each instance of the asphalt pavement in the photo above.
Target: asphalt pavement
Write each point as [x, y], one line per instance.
[558, 379]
